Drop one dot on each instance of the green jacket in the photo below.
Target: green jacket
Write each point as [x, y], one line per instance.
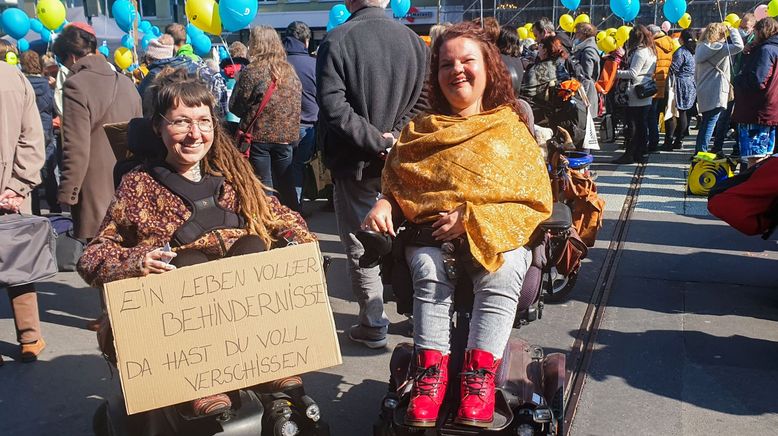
[188, 51]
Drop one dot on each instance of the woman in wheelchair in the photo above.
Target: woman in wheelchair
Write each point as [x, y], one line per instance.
[200, 196]
[469, 180]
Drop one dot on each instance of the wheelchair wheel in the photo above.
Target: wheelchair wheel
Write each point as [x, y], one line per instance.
[561, 287]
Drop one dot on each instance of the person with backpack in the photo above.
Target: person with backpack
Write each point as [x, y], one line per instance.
[638, 75]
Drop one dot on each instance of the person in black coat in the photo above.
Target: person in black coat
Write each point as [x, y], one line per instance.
[44, 99]
[370, 73]
[510, 50]
[296, 41]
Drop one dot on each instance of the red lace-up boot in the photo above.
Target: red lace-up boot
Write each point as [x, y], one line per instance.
[429, 388]
[477, 406]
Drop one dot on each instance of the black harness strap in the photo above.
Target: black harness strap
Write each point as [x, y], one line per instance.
[202, 198]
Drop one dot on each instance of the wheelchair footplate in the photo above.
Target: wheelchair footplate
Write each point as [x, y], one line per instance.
[503, 416]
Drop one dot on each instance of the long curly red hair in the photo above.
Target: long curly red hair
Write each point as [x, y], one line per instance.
[499, 89]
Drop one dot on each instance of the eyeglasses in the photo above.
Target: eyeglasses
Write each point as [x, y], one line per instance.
[184, 125]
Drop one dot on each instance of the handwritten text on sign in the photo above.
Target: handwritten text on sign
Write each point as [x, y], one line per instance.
[221, 326]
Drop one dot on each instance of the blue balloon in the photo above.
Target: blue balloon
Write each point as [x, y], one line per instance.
[331, 26]
[61, 26]
[201, 44]
[36, 25]
[128, 41]
[155, 31]
[627, 10]
[23, 45]
[104, 50]
[400, 8]
[15, 22]
[124, 13]
[674, 10]
[633, 12]
[571, 4]
[339, 14]
[237, 14]
[46, 36]
[144, 43]
[192, 30]
[144, 26]
[223, 53]
[188, 39]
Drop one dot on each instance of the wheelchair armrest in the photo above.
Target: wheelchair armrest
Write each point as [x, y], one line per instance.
[377, 245]
[561, 218]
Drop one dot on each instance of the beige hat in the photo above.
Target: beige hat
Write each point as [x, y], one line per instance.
[158, 50]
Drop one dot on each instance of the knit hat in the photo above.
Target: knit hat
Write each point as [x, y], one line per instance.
[654, 29]
[85, 27]
[158, 50]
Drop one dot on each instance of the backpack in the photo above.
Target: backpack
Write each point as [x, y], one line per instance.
[707, 171]
[749, 201]
[68, 248]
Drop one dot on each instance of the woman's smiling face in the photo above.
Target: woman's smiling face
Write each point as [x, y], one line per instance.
[462, 75]
[186, 141]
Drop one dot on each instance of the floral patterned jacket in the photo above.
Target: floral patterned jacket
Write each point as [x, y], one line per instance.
[144, 215]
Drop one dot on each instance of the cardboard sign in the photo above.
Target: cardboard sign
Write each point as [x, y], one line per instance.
[221, 326]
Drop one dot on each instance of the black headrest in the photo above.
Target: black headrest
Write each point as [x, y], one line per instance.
[142, 142]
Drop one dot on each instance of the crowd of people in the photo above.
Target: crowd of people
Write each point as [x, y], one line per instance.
[410, 133]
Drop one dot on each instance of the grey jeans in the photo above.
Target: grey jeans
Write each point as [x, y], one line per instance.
[494, 307]
[353, 200]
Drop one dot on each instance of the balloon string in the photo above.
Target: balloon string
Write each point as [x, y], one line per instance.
[232, 61]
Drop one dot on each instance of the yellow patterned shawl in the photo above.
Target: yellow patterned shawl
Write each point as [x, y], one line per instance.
[490, 162]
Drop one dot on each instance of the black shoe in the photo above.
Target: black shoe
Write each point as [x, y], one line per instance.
[666, 147]
[623, 160]
[678, 146]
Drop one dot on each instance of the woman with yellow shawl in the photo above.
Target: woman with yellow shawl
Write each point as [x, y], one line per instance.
[471, 172]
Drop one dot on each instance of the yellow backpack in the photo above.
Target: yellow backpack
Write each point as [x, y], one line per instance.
[707, 170]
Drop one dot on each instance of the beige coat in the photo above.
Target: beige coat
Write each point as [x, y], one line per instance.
[93, 95]
[22, 146]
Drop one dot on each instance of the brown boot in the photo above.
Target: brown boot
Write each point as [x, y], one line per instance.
[280, 385]
[31, 351]
[211, 404]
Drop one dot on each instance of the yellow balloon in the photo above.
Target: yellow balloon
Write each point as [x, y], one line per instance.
[528, 26]
[732, 19]
[583, 18]
[622, 35]
[686, 19]
[600, 35]
[51, 13]
[608, 44]
[11, 59]
[122, 57]
[523, 33]
[567, 23]
[204, 14]
[611, 31]
[772, 8]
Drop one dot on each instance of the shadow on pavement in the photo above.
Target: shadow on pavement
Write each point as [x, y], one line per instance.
[49, 396]
[693, 367]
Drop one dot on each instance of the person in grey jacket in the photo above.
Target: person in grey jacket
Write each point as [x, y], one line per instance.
[370, 74]
[641, 64]
[712, 63]
[586, 53]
